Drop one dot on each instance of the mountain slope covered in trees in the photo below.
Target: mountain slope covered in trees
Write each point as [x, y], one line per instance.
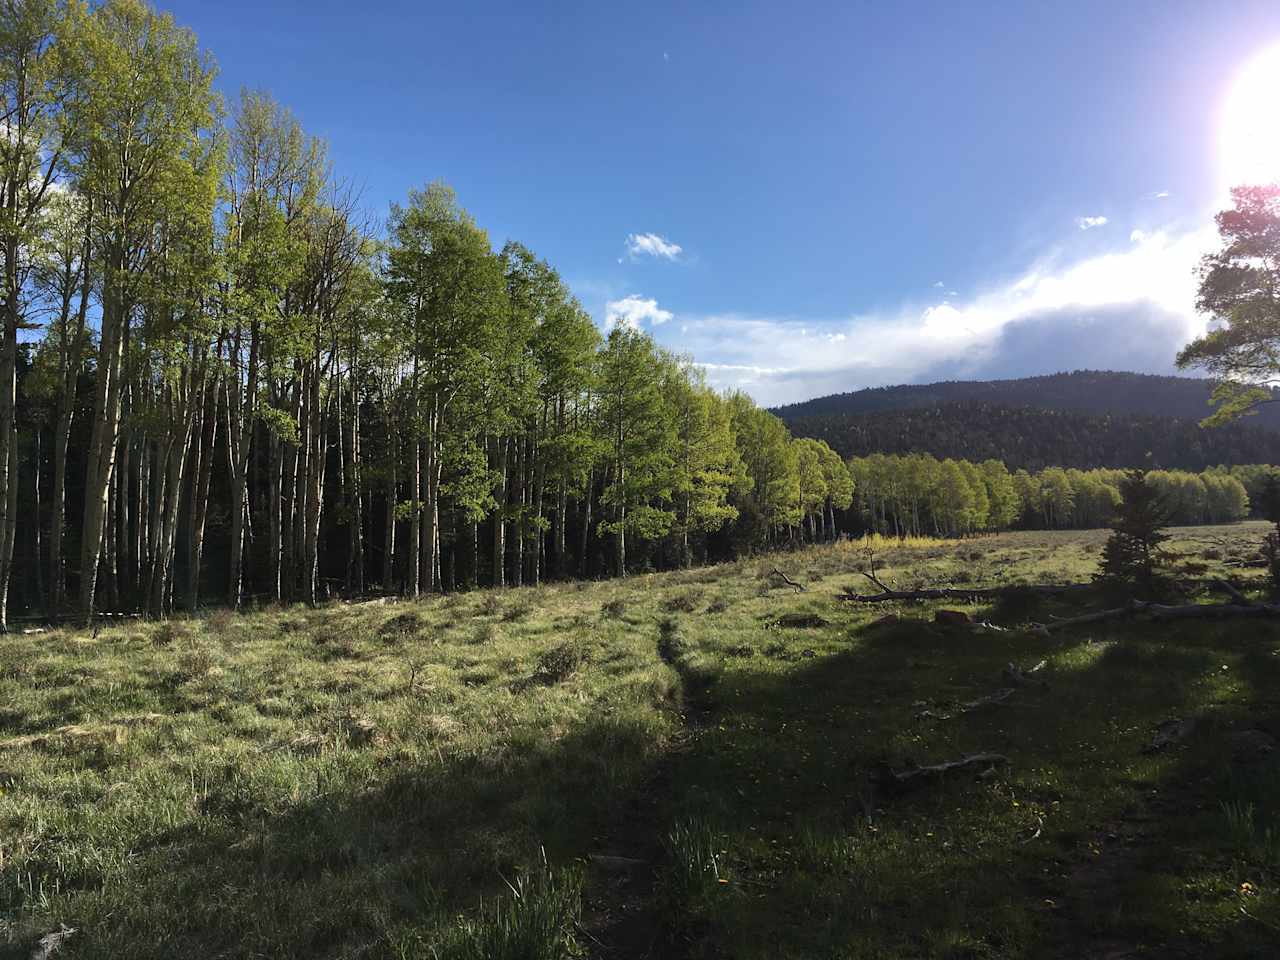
[1031, 438]
[1027, 437]
[1091, 391]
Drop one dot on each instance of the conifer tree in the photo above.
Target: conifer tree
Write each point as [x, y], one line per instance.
[1132, 552]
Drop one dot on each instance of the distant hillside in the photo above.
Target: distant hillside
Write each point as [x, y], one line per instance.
[1091, 391]
[1029, 437]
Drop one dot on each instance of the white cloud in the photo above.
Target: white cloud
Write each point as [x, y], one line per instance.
[1135, 305]
[1137, 236]
[939, 284]
[652, 245]
[1088, 223]
[632, 311]
[1160, 195]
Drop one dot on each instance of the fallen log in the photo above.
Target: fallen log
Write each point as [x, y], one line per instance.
[992, 700]
[955, 593]
[1137, 609]
[915, 776]
[1235, 594]
[1015, 675]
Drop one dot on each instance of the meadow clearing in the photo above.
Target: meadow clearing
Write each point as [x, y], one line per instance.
[689, 764]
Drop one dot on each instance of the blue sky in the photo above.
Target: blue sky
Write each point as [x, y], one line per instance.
[860, 193]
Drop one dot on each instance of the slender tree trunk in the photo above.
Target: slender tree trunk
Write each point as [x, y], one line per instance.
[415, 522]
[293, 463]
[317, 459]
[389, 531]
[586, 522]
[499, 521]
[560, 535]
[37, 548]
[102, 443]
[142, 508]
[519, 498]
[115, 501]
[539, 491]
[202, 474]
[8, 449]
[243, 413]
[355, 497]
[275, 503]
[430, 546]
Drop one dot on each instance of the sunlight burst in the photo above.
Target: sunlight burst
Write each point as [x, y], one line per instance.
[1250, 146]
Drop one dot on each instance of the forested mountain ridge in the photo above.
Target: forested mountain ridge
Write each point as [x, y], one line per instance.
[1091, 391]
[1027, 437]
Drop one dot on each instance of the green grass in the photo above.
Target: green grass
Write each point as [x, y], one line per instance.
[438, 779]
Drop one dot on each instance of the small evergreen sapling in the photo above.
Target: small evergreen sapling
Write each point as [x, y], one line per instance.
[1132, 552]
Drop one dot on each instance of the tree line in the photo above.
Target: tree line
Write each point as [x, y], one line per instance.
[245, 387]
[920, 495]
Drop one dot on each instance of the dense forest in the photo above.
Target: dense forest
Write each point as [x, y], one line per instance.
[1031, 438]
[244, 386]
[1088, 391]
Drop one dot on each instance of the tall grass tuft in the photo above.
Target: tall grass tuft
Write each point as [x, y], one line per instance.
[1248, 839]
[692, 875]
[535, 920]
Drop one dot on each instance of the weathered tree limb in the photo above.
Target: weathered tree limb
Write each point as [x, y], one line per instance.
[52, 943]
[1235, 594]
[1018, 677]
[952, 593]
[915, 776]
[991, 700]
[1159, 611]
[876, 580]
[775, 572]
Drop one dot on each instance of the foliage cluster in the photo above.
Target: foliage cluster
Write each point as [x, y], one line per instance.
[919, 495]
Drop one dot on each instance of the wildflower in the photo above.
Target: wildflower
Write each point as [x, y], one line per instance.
[1247, 889]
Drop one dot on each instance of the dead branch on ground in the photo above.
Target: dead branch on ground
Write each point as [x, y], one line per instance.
[915, 776]
[775, 572]
[954, 593]
[1160, 612]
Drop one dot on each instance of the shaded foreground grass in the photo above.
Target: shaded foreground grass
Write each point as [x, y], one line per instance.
[447, 778]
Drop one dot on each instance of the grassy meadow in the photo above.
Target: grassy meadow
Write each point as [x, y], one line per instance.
[687, 764]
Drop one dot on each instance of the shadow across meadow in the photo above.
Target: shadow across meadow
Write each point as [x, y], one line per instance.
[1081, 845]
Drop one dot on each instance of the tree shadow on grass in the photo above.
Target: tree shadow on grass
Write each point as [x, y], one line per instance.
[1082, 846]
[823, 862]
[360, 870]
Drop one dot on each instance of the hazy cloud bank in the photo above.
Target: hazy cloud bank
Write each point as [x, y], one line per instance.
[1131, 309]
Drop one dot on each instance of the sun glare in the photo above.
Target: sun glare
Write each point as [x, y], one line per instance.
[1251, 124]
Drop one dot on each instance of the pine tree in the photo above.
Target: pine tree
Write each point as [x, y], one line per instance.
[1132, 552]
